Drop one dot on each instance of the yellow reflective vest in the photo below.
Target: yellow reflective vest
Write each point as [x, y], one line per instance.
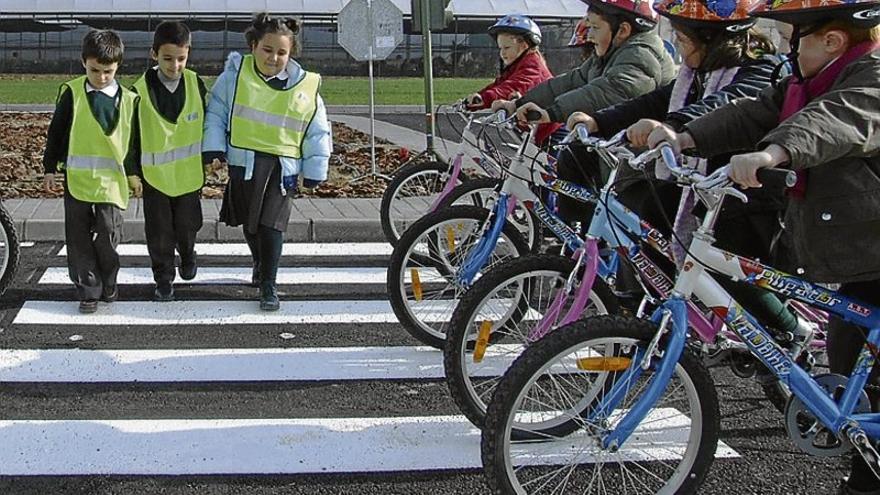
[94, 166]
[171, 152]
[270, 120]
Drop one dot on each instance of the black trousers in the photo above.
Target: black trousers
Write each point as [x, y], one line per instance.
[92, 231]
[845, 342]
[169, 224]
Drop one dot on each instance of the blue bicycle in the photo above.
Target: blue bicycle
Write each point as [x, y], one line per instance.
[623, 403]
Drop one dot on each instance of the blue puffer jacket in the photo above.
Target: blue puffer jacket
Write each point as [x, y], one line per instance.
[315, 150]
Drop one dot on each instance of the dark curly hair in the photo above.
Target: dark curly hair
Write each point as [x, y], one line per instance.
[264, 24]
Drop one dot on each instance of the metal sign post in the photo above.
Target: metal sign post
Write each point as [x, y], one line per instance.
[384, 32]
[428, 65]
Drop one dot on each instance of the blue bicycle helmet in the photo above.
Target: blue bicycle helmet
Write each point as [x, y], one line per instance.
[517, 24]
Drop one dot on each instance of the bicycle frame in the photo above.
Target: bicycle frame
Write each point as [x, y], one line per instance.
[517, 187]
[458, 163]
[837, 416]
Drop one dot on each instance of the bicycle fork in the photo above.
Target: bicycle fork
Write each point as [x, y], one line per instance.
[672, 313]
[451, 182]
[588, 257]
[479, 255]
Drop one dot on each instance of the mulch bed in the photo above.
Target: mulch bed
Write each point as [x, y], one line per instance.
[23, 139]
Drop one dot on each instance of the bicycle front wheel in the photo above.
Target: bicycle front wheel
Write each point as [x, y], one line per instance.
[9, 249]
[558, 385]
[422, 274]
[483, 191]
[409, 195]
[496, 319]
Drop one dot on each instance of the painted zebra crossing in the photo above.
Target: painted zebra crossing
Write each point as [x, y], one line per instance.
[174, 444]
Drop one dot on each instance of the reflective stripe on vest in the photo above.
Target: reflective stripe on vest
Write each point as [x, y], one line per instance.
[94, 164]
[270, 120]
[171, 152]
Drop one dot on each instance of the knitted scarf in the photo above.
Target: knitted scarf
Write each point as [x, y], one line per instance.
[685, 222]
[800, 92]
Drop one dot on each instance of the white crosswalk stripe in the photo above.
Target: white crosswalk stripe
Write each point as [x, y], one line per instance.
[195, 445]
[318, 275]
[228, 313]
[264, 446]
[341, 249]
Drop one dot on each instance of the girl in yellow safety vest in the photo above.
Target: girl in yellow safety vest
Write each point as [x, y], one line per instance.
[266, 120]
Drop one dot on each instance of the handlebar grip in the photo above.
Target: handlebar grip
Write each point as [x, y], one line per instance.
[668, 155]
[583, 133]
[777, 178]
[533, 115]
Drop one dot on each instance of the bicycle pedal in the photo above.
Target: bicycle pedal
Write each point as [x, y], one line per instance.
[863, 445]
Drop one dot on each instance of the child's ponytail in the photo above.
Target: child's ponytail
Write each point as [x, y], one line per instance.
[264, 24]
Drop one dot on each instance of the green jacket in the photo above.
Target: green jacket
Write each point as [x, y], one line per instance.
[833, 230]
[640, 65]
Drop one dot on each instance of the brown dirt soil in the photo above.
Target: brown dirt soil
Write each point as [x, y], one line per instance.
[23, 139]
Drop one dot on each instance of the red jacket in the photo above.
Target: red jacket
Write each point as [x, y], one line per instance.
[522, 75]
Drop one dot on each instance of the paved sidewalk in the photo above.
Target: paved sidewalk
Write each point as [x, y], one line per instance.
[311, 220]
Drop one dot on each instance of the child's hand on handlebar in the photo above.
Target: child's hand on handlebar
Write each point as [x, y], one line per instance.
[542, 117]
[744, 168]
[665, 134]
[637, 134]
[474, 100]
[506, 105]
[582, 118]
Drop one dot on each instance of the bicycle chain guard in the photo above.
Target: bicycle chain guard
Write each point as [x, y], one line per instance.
[808, 433]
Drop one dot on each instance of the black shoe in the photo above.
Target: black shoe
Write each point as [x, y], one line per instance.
[163, 293]
[109, 296]
[188, 267]
[255, 276]
[269, 298]
[845, 489]
[88, 306]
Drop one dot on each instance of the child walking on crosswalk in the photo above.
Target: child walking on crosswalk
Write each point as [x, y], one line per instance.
[90, 140]
[171, 114]
[267, 121]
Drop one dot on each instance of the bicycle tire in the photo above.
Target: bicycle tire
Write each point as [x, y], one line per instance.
[470, 388]
[406, 175]
[700, 444]
[404, 254]
[11, 250]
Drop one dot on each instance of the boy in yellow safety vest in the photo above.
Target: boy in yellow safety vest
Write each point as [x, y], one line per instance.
[171, 116]
[89, 140]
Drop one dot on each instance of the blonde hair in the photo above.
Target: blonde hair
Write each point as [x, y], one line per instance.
[855, 34]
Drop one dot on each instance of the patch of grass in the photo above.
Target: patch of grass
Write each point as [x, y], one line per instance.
[42, 89]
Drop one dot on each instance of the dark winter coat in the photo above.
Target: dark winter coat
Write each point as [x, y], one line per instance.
[640, 65]
[834, 229]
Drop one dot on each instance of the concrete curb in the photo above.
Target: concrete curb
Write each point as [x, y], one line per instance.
[312, 220]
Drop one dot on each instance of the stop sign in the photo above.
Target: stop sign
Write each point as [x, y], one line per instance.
[356, 35]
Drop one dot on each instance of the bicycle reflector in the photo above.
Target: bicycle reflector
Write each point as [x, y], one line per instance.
[482, 341]
[416, 283]
[450, 239]
[603, 363]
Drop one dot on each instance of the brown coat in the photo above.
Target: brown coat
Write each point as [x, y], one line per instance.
[835, 229]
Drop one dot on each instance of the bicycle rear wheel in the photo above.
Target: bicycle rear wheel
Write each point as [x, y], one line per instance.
[422, 285]
[557, 385]
[9, 249]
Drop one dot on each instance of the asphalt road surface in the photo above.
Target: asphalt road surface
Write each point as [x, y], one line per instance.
[209, 396]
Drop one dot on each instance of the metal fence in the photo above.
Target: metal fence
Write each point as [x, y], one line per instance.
[455, 54]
